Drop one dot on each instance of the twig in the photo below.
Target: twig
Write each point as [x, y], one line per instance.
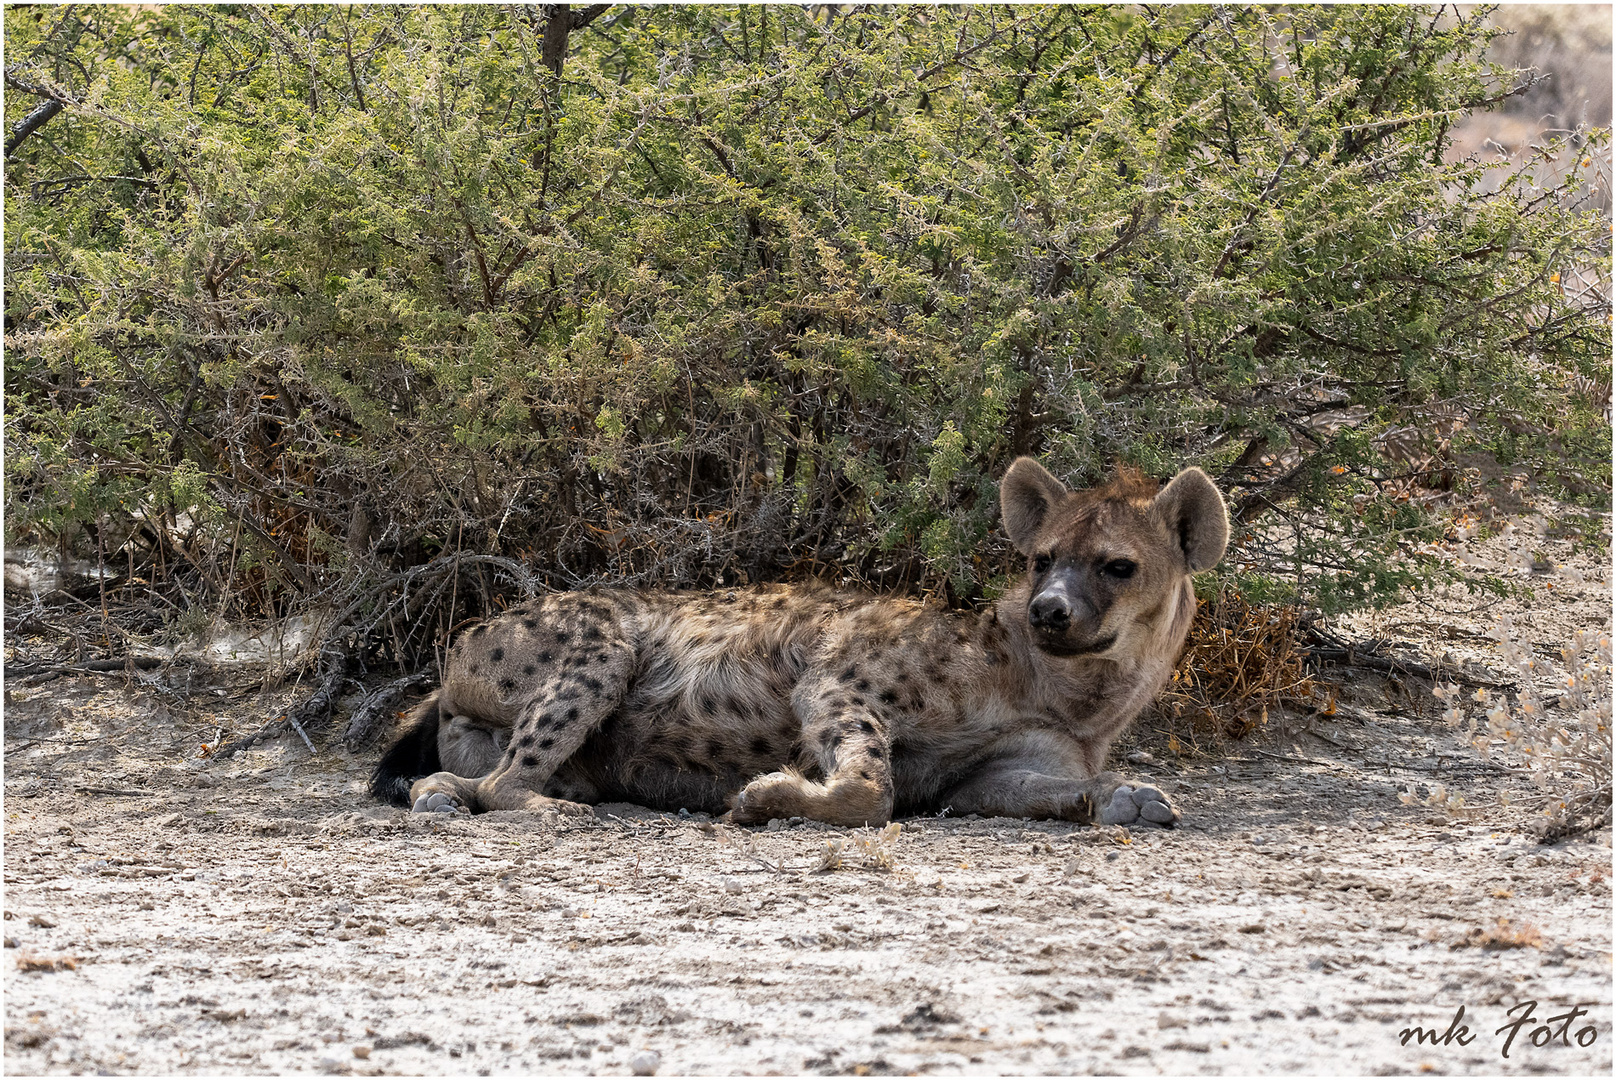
[297, 727]
[1345, 746]
[269, 731]
[1449, 766]
[743, 844]
[47, 739]
[87, 790]
[1294, 759]
[317, 706]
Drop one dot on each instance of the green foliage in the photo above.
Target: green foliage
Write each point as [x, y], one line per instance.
[746, 292]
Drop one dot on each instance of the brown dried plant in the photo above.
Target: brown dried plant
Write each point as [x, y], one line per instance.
[1505, 934]
[1241, 659]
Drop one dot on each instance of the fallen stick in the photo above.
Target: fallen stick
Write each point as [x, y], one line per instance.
[93, 667]
[317, 706]
[297, 727]
[368, 716]
[1350, 657]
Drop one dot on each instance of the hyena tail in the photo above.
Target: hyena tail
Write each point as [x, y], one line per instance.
[414, 754]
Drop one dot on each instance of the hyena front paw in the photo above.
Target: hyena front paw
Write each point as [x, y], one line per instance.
[436, 802]
[1132, 803]
[772, 795]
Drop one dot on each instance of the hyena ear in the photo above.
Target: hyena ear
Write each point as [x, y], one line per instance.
[1193, 512]
[1026, 495]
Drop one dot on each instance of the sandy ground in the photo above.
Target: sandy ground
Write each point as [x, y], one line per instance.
[165, 913]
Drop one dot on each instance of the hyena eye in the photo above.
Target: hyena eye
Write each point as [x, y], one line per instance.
[1119, 568]
[1041, 563]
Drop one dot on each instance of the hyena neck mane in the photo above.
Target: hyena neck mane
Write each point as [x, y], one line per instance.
[1093, 697]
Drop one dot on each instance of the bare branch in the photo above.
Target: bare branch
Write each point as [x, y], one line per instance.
[31, 123]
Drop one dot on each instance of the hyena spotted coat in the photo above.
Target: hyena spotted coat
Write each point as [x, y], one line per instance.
[837, 706]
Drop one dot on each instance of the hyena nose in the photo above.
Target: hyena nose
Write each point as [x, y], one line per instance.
[1051, 611]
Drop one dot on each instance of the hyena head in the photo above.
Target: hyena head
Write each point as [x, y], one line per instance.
[1109, 567]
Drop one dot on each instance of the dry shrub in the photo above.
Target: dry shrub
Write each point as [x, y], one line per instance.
[555, 322]
[1563, 741]
[879, 849]
[1240, 660]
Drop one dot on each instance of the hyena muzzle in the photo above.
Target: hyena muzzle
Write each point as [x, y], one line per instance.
[842, 707]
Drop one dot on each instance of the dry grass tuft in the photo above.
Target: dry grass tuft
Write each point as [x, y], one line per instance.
[1240, 660]
[1505, 934]
[30, 962]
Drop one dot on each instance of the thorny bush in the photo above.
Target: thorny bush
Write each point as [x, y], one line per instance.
[355, 309]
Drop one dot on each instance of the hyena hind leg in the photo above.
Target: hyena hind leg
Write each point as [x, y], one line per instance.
[1022, 793]
[466, 750]
[554, 723]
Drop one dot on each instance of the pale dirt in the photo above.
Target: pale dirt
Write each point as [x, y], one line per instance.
[262, 915]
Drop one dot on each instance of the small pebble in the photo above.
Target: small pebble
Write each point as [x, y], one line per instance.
[645, 1063]
[362, 1051]
[733, 887]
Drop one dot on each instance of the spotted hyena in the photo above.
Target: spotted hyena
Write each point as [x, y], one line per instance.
[833, 705]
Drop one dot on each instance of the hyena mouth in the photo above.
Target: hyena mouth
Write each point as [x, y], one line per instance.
[1055, 646]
